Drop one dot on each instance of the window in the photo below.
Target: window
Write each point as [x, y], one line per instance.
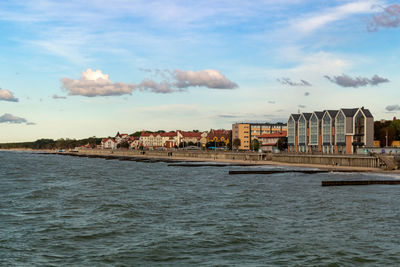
[314, 130]
[339, 130]
[302, 131]
[291, 131]
[326, 129]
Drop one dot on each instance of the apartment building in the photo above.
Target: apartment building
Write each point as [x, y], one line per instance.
[331, 131]
[246, 132]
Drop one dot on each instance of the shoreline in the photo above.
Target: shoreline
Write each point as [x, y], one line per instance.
[234, 162]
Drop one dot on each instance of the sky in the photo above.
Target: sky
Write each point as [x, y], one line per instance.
[76, 69]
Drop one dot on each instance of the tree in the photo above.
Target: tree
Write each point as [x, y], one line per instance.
[390, 132]
[255, 145]
[123, 144]
[236, 143]
[136, 134]
[282, 143]
[396, 125]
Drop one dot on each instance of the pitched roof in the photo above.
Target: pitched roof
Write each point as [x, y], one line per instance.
[219, 133]
[367, 113]
[296, 116]
[332, 113]
[349, 112]
[319, 114]
[145, 134]
[307, 115]
[191, 134]
[168, 134]
[106, 139]
[274, 135]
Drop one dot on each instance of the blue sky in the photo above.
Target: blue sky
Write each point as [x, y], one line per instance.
[91, 68]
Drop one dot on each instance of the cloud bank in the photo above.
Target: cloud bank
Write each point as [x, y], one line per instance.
[393, 107]
[95, 83]
[9, 118]
[6, 95]
[288, 81]
[347, 81]
[389, 18]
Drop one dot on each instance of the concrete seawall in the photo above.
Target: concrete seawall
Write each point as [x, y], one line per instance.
[334, 160]
[203, 155]
[260, 158]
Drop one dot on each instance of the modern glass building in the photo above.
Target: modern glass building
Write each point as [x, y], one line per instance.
[331, 131]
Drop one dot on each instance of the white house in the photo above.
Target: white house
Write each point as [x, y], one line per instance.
[108, 143]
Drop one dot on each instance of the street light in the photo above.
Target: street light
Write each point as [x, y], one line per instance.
[386, 137]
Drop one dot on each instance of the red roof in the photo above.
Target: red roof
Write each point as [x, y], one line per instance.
[274, 135]
[145, 134]
[106, 139]
[191, 134]
[219, 133]
[169, 134]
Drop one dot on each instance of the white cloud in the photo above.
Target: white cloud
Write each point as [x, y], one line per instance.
[163, 87]
[318, 20]
[207, 78]
[6, 95]
[95, 83]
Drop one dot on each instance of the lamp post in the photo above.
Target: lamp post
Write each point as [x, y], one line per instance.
[386, 137]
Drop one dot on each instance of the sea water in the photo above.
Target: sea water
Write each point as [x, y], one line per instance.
[59, 210]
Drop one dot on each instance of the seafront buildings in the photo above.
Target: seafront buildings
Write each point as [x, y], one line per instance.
[246, 132]
[167, 140]
[331, 131]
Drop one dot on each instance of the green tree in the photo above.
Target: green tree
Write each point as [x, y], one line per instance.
[255, 145]
[282, 143]
[389, 133]
[396, 125]
[123, 144]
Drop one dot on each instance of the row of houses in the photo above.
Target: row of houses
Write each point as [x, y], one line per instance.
[331, 131]
[167, 140]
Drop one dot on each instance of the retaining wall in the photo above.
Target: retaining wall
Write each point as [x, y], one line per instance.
[181, 154]
[354, 161]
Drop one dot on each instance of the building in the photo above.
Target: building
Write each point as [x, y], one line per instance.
[108, 143]
[331, 131]
[269, 141]
[154, 140]
[292, 132]
[246, 132]
[191, 137]
[315, 138]
[219, 136]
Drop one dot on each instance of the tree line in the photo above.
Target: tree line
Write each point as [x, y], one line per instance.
[53, 144]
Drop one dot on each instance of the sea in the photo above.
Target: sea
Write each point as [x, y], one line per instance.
[69, 211]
